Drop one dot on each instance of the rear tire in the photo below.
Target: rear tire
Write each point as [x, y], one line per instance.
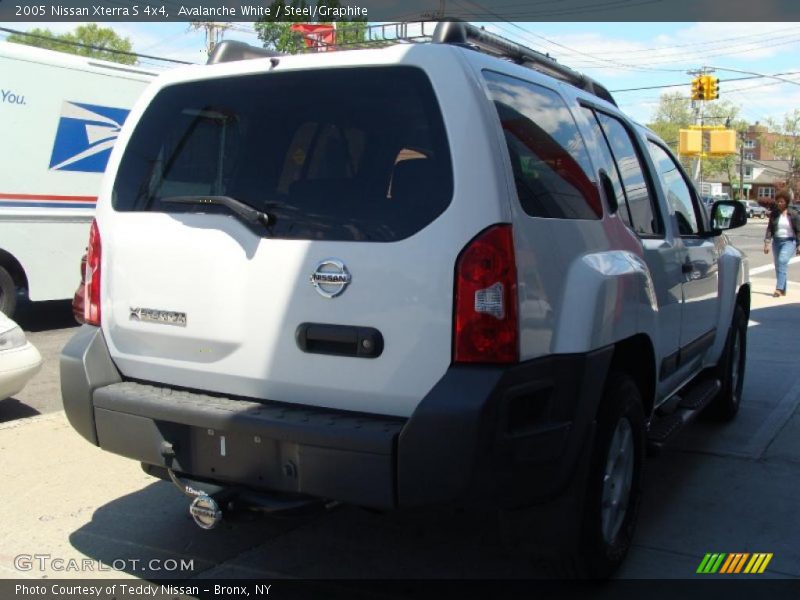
[614, 489]
[730, 371]
[8, 293]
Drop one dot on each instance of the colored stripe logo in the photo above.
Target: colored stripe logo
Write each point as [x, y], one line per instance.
[45, 201]
[734, 563]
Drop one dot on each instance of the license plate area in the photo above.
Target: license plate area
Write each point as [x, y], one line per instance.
[244, 458]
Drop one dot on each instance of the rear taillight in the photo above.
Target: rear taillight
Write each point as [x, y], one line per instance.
[485, 313]
[91, 286]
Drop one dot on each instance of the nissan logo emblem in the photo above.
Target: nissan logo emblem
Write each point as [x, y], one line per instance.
[330, 278]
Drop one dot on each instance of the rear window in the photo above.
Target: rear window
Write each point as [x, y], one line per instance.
[357, 154]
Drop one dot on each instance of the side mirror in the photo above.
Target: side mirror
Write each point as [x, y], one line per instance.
[727, 214]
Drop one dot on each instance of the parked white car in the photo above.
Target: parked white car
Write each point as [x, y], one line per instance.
[19, 359]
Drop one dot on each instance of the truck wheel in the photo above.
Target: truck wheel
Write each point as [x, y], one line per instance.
[8, 293]
[730, 371]
[615, 480]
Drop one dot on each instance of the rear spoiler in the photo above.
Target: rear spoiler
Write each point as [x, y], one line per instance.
[230, 51]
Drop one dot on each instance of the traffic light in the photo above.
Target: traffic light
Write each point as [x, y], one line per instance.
[698, 88]
[711, 88]
[722, 142]
[690, 142]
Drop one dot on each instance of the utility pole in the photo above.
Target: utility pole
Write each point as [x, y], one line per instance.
[214, 32]
[741, 166]
[697, 105]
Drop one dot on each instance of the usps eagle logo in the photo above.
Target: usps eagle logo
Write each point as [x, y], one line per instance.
[85, 135]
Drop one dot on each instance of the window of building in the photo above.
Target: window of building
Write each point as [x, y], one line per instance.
[765, 193]
[748, 172]
[749, 156]
[749, 143]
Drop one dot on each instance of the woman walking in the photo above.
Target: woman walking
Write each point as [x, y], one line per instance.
[782, 231]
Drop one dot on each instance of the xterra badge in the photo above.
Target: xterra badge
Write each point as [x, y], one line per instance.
[164, 317]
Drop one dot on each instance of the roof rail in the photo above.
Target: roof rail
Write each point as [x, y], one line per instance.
[464, 34]
[230, 51]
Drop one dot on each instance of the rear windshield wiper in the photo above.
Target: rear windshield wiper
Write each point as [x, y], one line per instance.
[245, 211]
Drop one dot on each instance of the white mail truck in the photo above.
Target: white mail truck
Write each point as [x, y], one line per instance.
[60, 115]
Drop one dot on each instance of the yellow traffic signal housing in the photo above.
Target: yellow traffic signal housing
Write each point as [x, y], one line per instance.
[722, 142]
[711, 88]
[698, 88]
[690, 141]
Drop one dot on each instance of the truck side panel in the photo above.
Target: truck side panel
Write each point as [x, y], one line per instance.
[60, 116]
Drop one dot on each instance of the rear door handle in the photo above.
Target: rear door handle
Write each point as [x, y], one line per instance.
[339, 340]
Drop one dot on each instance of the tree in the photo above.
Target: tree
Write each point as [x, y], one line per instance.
[673, 113]
[786, 145]
[101, 40]
[278, 35]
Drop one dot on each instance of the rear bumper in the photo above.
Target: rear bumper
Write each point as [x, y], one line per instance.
[483, 435]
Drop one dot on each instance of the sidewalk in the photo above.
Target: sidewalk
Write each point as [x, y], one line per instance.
[733, 487]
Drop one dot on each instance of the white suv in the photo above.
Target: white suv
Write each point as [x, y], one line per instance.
[401, 277]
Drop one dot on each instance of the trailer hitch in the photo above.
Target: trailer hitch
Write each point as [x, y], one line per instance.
[204, 509]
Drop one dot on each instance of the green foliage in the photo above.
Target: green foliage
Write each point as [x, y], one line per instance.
[104, 38]
[786, 146]
[673, 113]
[278, 35]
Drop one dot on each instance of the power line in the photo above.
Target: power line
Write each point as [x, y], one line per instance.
[92, 47]
[701, 57]
[719, 41]
[595, 60]
[671, 85]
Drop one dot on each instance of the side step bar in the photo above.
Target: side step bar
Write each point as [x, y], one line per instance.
[692, 402]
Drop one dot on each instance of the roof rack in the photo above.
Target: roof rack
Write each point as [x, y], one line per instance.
[464, 34]
[359, 35]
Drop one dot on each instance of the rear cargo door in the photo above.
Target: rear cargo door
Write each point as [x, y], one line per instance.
[278, 236]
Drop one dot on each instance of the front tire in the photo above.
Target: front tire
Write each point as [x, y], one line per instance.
[615, 479]
[730, 371]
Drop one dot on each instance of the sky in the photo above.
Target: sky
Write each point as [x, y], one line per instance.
[621, 56]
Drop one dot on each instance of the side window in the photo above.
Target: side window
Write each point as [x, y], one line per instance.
[602, 154]
[642, 215]
[548, 154]
[678, 194]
